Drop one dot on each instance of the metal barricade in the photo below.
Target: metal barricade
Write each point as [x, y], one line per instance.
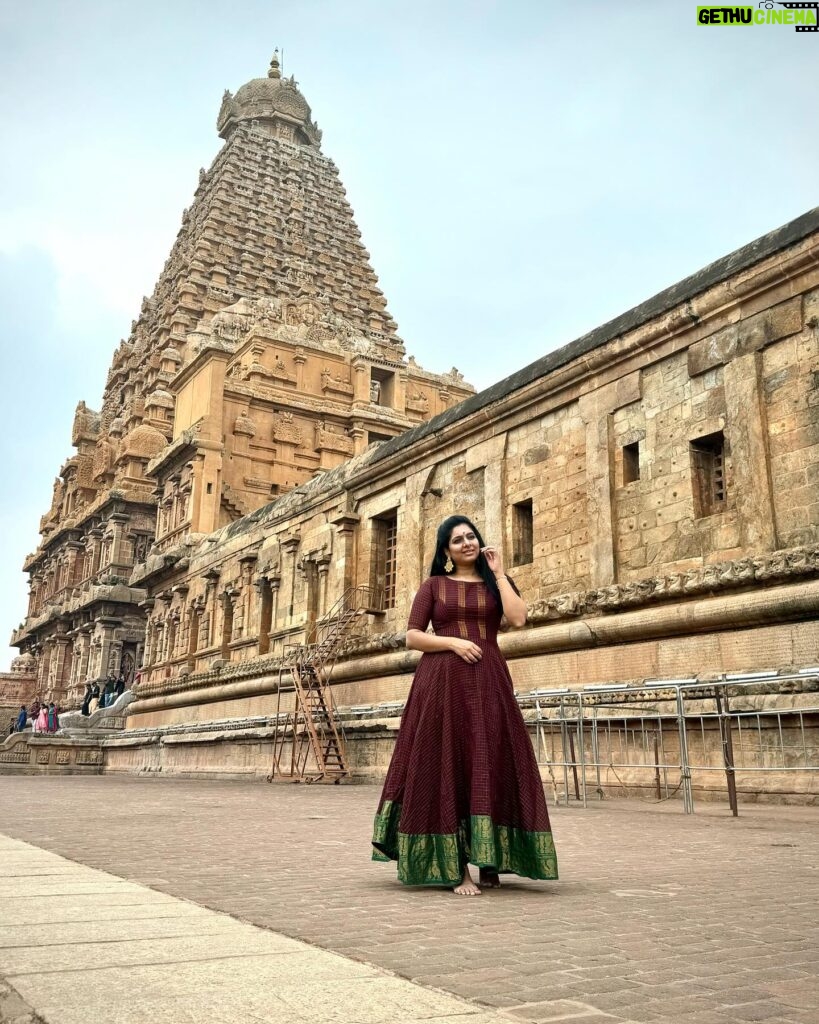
[676, 733]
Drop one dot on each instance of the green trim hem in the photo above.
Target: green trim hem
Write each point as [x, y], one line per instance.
[440, 859]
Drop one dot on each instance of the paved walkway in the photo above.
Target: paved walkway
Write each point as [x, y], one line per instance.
[89, 946]
[657, 917]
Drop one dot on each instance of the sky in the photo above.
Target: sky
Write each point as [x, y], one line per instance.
[520, 171]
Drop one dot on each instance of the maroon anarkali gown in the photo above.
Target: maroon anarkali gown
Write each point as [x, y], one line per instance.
[463, 785]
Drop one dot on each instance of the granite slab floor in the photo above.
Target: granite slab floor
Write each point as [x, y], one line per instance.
[659, 917]
[78, 945]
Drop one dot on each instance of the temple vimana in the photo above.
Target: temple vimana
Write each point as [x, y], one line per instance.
[264, 447]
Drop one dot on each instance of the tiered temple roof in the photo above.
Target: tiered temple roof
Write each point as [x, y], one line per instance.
[268, 262]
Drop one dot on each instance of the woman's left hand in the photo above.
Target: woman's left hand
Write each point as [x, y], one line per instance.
[493, 560]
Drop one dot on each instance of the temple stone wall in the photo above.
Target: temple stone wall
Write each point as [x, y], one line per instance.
[651, 486]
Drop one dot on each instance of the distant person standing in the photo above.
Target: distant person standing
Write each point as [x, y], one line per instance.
[86, 700]
[42, 719]
[94, 703]
[119, 689]
[22, 718]
[53, 720]
[108, 692]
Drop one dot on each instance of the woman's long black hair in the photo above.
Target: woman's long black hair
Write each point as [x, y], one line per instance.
[440, 556]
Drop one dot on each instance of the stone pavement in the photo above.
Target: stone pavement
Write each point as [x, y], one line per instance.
[90, 946]
[657, 917]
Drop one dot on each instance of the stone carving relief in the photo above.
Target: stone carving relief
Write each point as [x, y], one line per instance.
[228, 327]
[244, 425]
[329, 439]
[103, 460]
[301, 274]
[15, 756]
[305, 313]
[286, 429]
[777, 567]
[329, 382]
[86, 424]
[142, 543]
[89, 757]
[280, 372]
[417, 401]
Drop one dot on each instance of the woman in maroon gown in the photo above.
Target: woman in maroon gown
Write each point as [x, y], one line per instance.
[463, 785]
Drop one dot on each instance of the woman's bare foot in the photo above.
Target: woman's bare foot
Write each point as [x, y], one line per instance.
[467, 886]
[490, 878]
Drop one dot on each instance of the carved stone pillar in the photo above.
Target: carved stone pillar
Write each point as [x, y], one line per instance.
[158, 642]
[400, 392]
[490, 456]
[95, 549]
[85, 655]
[72, 554]
[59, 668]
[275, 586]
[113, 662]
[228, 601]
[600, 496]
[597, 412]
[361, 381]
[346, 524]
[300, 359]
[290, 548]
[323, 567]
[246, 606]
[358, 432]
[74, 640]
[747, 434]
[208, 622]
[117, 522]
[43, 673]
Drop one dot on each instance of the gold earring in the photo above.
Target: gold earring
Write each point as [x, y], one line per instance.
[448, 566]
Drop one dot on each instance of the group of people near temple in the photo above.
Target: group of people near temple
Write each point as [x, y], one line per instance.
[102, 695]
[44, 717]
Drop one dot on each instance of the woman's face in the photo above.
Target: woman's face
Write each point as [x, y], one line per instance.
[464, 546]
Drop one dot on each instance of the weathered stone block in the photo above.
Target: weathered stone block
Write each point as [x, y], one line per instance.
[536, 455]
[746, 336]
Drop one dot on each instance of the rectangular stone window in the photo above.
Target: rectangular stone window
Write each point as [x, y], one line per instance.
[384, 565]
[522, 533]
[708, 474]
[382, 387]
[631, 462]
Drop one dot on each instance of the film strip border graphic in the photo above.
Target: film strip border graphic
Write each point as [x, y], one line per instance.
[804, 7]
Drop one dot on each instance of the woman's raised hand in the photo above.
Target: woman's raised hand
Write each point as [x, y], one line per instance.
[465, 649]
[493, 560]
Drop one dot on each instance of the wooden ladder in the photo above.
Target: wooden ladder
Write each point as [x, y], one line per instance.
[312, 730]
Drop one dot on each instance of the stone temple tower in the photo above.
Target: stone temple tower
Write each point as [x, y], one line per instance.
[264, 356]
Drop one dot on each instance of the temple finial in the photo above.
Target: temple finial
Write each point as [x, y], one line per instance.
[275, 69]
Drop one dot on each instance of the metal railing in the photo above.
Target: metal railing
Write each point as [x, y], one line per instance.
[671, 735]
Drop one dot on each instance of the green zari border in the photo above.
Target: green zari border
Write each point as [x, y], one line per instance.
[432, 859]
